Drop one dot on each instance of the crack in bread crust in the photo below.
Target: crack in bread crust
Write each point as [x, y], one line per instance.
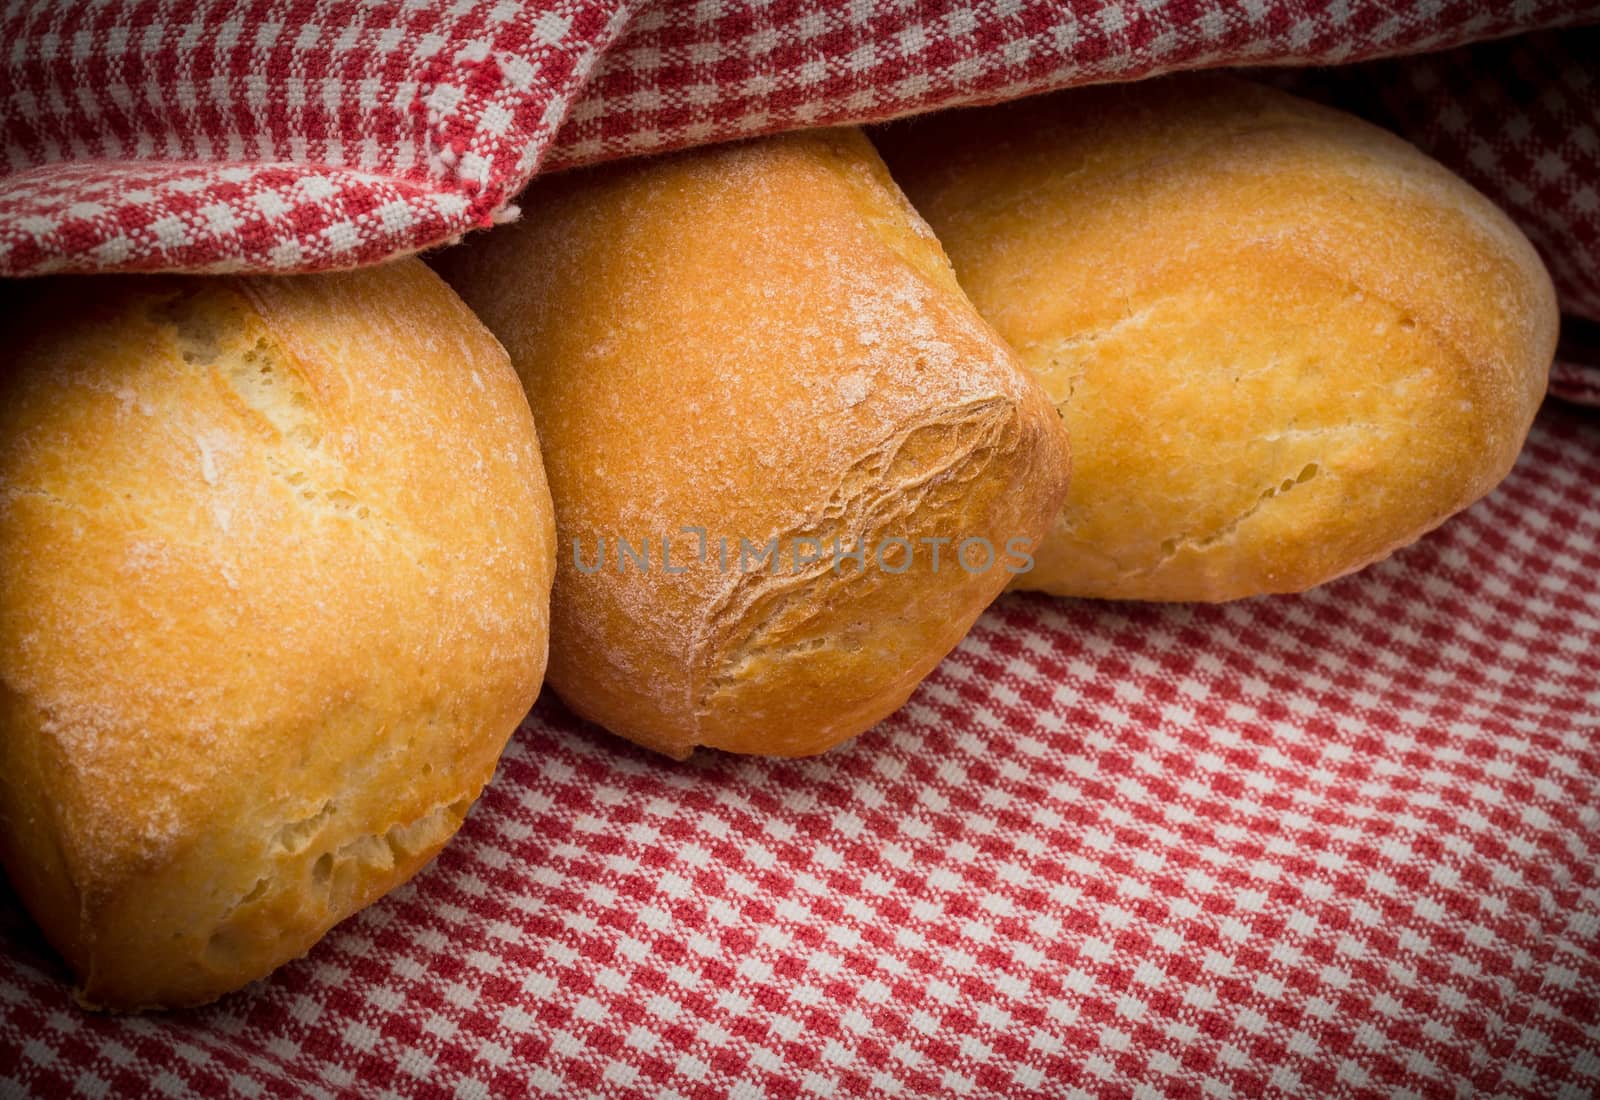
[902, 478]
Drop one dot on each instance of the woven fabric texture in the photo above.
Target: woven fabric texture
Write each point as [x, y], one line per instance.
[1340, 844]
[282, 135]
[272, 135]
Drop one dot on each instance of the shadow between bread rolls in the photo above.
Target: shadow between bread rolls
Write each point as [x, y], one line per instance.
[1286, 342]
[275, 556]
[760, 347]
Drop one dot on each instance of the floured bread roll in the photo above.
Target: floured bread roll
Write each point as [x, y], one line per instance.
[749, 345]
[1286, 343]
[275, 560]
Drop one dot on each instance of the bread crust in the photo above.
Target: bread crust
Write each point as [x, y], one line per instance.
[275, 557]
[760, 341]
[1286, 342]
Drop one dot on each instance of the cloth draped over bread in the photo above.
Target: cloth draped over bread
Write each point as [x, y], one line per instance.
[220, 136]
[1340, 843]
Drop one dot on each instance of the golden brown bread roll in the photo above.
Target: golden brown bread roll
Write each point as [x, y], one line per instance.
[761, 342]
[275, 557]
[1286, 343]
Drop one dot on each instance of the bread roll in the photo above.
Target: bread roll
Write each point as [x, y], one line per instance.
[759, 342]
[1286, 342]
[275, 559]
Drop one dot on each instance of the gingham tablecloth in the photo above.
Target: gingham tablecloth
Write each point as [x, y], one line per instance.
[1340, 844]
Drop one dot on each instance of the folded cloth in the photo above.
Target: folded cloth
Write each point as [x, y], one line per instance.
[257, 135]
[1346, 843]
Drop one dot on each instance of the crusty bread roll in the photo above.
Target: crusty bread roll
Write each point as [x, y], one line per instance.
[1286, 343]
[275, 559]
[759, 341]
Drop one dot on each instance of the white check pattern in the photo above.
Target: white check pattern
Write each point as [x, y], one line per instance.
[1345, 844]
[1341, 844]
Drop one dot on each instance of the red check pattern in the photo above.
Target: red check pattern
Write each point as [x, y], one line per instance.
[290, 135]
[286, 135]
[1341, 844]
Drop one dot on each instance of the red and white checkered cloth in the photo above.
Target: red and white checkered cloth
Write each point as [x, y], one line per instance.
[295, 135]
[1341, 844]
